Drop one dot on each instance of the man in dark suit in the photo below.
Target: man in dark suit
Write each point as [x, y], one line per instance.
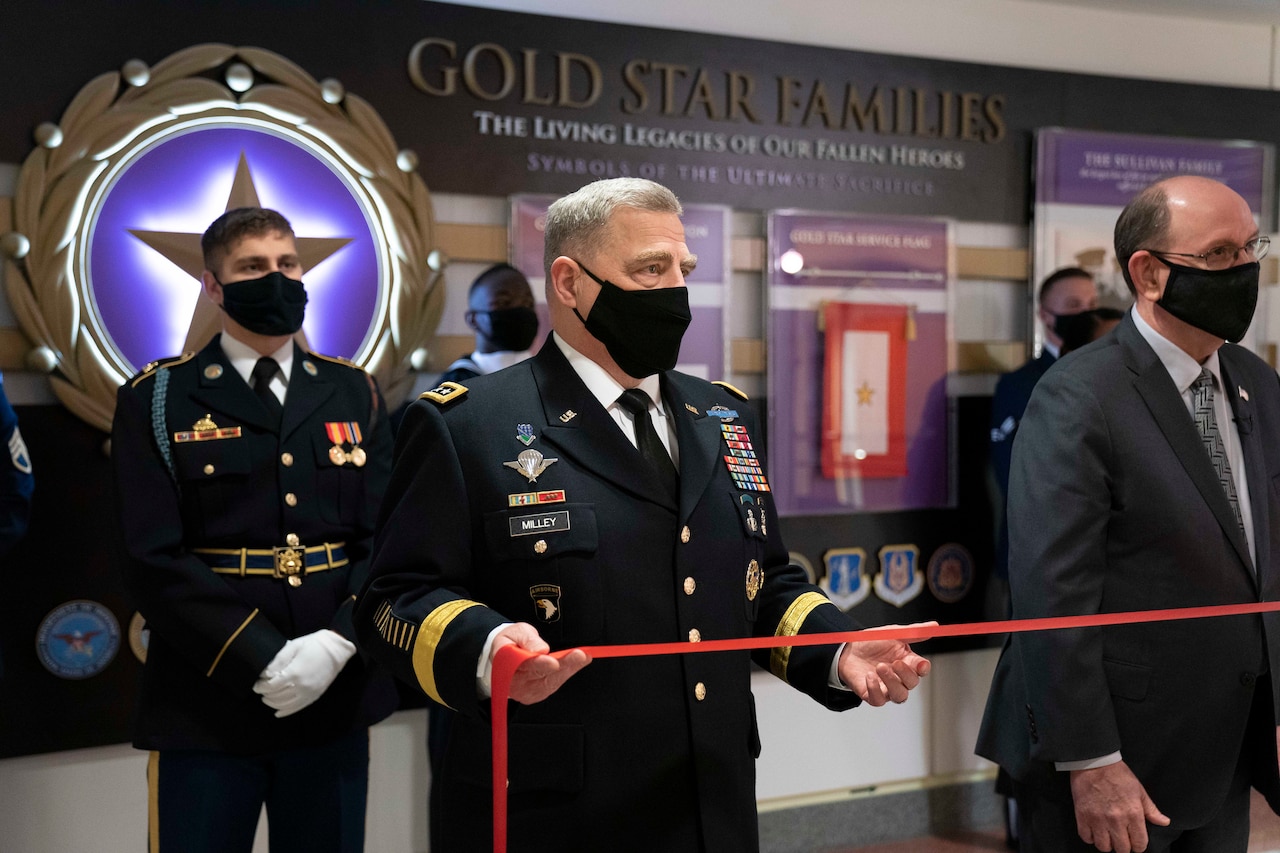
[592, 495]
[1143, 478]
[247, 481]
[1064, 295]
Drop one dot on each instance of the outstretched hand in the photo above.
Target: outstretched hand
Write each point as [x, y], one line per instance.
[881, 671]
[541, 675]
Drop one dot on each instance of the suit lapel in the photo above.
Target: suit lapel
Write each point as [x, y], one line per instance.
[699, 439]
[1174, 421]
[307, 392]
[223, 392]
[580, 428]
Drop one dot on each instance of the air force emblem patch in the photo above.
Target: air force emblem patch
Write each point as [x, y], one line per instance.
[848, 581]
[899, 580]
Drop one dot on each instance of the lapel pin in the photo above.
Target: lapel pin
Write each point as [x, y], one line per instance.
[524, 432]
[213, 371]
[568, 416]
[1244, 395]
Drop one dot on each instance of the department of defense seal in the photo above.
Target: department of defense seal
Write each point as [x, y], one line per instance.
[77, 639]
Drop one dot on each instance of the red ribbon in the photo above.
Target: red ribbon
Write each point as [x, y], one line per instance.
[508, 659]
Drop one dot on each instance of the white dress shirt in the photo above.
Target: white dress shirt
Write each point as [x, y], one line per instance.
[243, 357]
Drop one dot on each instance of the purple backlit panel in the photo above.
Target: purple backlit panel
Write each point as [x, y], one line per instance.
[180, 185]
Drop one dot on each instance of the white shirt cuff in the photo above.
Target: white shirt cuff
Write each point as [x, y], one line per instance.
[1089, 763]
[484, 667]
[833, 674]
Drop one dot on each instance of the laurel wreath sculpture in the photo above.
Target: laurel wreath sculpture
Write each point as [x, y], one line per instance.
[207, 80]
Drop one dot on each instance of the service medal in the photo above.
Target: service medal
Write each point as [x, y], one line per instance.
[358, 456]
[755, 580]
[344, 432]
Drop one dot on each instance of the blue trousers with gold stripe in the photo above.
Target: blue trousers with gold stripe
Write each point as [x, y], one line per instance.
[209, 802]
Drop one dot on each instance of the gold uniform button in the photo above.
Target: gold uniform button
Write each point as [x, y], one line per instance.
[689, 586]
[685, 534]
[208, 469]
[291, 540]
[286, 459]
[291, 499]
[700, 691]
[540, 547]
[695, 636]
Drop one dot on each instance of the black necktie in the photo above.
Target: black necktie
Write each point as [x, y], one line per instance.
[260, 380]
[650, 446]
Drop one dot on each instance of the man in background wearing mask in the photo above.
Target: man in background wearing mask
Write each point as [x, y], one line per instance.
[593, 495]
[248, 477]
[1066, 296]
[500, 311]
[1142, 480]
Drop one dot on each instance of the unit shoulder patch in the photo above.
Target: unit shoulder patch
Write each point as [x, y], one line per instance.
[444, 393]
[156, 365]
[732, 390]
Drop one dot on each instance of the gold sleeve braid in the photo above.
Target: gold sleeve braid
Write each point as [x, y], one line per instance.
[790, 627]
[394, 630]
[429, 634]
[218, 659]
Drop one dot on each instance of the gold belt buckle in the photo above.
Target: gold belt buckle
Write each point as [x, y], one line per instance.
[290, 563]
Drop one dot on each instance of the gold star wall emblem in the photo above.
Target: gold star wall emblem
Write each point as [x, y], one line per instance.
[865, 393]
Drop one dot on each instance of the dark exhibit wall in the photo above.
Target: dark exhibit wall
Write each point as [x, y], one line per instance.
[68, 672]
[496, 103]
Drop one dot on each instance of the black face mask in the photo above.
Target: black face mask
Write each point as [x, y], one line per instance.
[508, 329]
[641, 329]
[1076, 330]
[1220, 302]
[272, 305]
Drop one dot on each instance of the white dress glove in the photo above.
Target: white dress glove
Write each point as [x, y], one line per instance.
[301, 671]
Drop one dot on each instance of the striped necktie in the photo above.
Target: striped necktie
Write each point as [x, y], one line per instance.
[1207, 422]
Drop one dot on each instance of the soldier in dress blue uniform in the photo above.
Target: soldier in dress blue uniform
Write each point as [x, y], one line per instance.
[17, 480]
[247, 478]
[531, 506]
